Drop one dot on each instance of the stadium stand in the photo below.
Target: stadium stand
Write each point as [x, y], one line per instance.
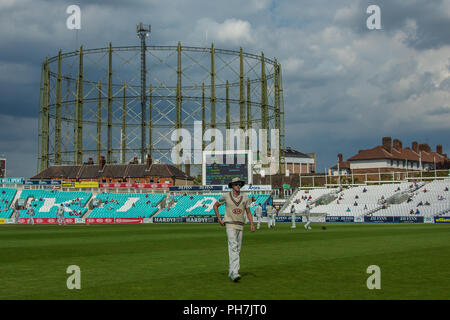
[126, 205]
[6, 198]
[300, 199]
[366, 198]
[202, 205]
[46, 203]
[430, 200]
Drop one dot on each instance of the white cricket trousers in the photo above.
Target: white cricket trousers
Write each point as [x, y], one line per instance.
[61, 220]
[258, 219]
[293, 221]
[308, 222]
[234, 249]
[31, 220]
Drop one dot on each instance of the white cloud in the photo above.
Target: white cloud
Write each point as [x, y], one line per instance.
[234, 31]
[292, 65]
[260, 4]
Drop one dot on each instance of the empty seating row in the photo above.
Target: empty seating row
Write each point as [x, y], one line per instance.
[126, 205]
[6, 197]
[46, 203]
[301, 198]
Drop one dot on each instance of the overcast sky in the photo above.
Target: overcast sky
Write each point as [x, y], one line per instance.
[345, 86]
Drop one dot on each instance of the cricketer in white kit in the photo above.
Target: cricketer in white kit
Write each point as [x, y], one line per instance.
[293, 216]
[274, 215]
[308, 217]
[61, 219]
[30, 212]
[258, 214]
[236, 204]
[269, 216]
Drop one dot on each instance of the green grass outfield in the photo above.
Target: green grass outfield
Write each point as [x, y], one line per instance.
[190, 261]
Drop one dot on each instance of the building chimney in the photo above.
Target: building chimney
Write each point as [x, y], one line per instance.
[102, 162]
[387, 144]
[415, 146]
[424, 147]
[398, 144]
[340, 157]
[134, 161]
[187, 169]
[148, 161]
[439, 148]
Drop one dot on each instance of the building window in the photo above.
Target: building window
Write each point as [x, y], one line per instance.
[392, 163]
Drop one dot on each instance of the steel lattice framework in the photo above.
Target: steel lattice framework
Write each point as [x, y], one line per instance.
[90, 100]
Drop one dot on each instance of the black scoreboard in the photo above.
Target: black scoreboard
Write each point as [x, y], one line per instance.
[221, 169]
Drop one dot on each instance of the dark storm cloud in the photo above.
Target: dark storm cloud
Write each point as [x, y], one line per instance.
[440, 111]
[344, 86]
[426, 23]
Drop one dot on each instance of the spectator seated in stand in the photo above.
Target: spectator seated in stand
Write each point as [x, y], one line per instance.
[417, 211]
[411, 211]
[355, 204]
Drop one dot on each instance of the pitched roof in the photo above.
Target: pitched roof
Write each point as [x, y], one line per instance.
[136, 170]
[91, 171]
[291, 153]
[165, 171]
[379, 152]
[86, 171]
[58, 172]
[114, 170]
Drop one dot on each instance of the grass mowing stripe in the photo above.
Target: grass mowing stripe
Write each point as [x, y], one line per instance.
[189, 261]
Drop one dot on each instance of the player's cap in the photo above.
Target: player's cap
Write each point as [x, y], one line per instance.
[236, 181]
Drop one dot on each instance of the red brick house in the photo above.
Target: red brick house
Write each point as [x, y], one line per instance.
[391, 156]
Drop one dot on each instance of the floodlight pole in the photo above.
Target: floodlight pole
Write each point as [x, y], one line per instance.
[143, 31]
